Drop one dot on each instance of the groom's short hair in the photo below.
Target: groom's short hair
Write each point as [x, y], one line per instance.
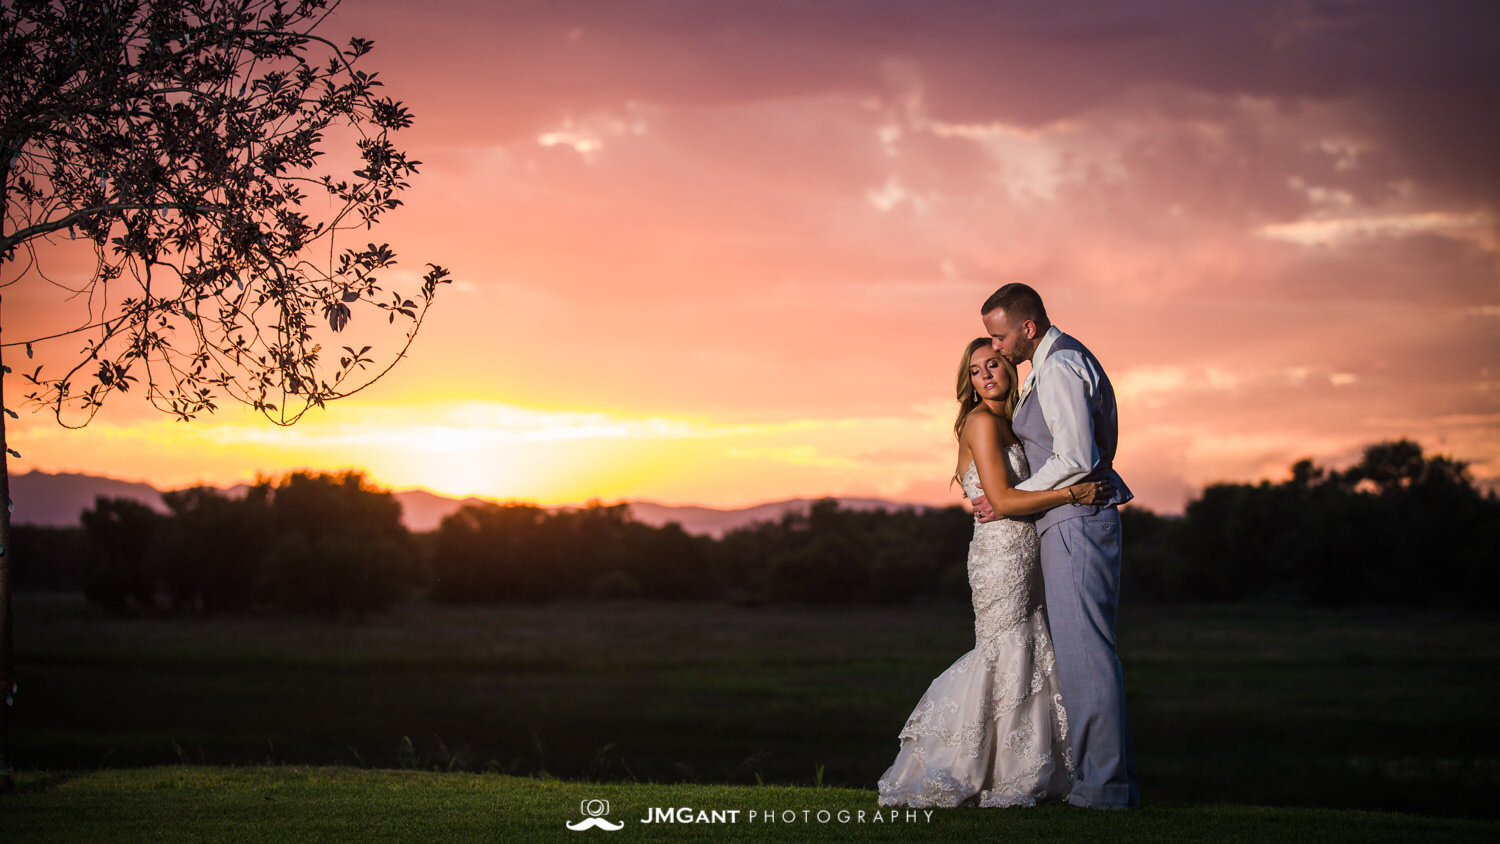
[1019, 302]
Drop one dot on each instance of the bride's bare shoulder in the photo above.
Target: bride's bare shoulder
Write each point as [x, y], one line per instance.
[982, 422]
[983, 415]
[979, 422]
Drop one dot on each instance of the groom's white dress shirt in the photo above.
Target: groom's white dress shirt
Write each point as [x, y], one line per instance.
[1069, 395]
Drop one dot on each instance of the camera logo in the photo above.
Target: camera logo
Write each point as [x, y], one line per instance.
[594, 812]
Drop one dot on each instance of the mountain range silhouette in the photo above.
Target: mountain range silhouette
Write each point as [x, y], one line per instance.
[56, 500]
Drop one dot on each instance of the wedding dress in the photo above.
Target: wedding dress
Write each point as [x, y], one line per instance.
[991, 730]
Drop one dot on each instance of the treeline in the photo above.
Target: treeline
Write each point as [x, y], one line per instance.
[1399, 528]
[335, 544]
[315, 543]
[490, 553]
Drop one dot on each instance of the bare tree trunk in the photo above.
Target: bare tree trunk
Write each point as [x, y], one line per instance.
[7, 664]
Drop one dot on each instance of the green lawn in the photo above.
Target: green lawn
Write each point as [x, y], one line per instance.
[1388, 711]
[267, 804]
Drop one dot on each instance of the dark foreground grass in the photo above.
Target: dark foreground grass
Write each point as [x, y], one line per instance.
[1386, 711]
[271, 804]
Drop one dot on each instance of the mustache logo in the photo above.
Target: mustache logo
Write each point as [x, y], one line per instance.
[592, 823]
[594, 812]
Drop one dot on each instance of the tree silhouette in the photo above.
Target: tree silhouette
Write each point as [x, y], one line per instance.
[119, 535]
[490, 552]
[338, 544]
[1398, 528]
[1400, 465]
[179, 145]
[206, 555]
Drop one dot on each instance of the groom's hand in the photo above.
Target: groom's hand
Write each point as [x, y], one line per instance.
[983, 512]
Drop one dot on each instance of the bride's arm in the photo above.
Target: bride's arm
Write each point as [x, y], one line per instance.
[982, 436]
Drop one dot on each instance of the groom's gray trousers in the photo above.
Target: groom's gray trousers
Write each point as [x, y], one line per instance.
[1081, 569]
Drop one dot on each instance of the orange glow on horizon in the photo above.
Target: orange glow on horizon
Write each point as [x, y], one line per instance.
[713, 260]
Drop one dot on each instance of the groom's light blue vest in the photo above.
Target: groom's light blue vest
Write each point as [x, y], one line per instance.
[1031, 427]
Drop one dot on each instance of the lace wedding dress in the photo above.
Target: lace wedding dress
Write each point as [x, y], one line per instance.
[991, 730]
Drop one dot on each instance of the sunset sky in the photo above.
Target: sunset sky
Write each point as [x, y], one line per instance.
[721, 253]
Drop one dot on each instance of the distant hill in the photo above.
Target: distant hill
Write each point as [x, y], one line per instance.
[56, 500]
[715, 523]
[48, 500]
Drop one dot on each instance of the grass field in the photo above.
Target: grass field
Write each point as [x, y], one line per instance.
[1366, 710]
[194, 803]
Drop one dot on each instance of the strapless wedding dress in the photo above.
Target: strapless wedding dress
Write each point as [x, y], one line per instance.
[992, 729]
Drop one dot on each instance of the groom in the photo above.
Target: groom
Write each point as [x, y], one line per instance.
[1067, 421]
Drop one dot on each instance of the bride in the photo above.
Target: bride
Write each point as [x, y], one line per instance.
[992, 729]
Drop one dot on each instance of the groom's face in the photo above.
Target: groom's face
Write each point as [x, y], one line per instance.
[1014, 341]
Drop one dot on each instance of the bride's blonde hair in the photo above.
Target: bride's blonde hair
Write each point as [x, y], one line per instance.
[968, 397]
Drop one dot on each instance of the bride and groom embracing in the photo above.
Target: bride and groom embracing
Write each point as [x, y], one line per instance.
[1036, 711]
